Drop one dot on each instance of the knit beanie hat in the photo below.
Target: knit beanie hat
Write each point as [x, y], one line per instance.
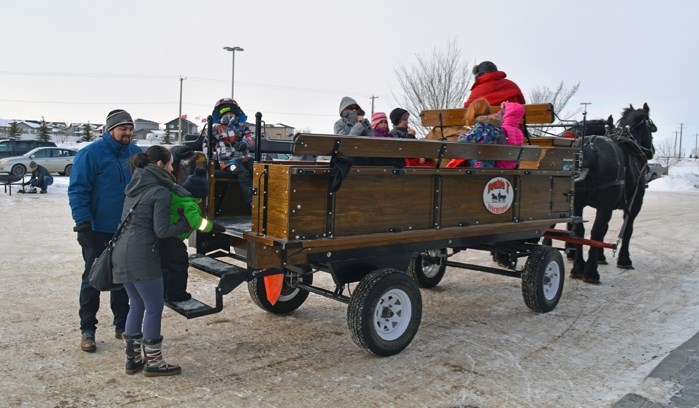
[377, 117]
[32, 164]
[116, 118]
[396, 115]
[197, 184]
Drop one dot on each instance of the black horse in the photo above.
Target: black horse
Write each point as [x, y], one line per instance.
[612, 178]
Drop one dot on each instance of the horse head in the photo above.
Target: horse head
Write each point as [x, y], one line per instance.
[589, 128]
[641, 127]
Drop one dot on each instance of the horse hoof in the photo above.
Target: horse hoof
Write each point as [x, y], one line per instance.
[602, 262]
[629, 266]
[594, 281]
[576, 276]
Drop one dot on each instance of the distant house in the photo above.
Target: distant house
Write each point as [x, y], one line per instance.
[143, 127]
[77, 129]
[28, 127]
[187, 127]
[279, 131]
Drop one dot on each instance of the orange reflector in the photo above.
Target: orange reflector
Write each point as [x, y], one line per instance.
[273, 287]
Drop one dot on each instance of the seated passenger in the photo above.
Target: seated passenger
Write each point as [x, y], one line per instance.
[233, 140]
[379, 123]
[352, 121]
[400, 118]
[485, 128]
[512, 114]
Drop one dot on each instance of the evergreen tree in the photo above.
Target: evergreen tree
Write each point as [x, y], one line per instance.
[44, 131]
[14, 129]
[87, 133]
[166, 138]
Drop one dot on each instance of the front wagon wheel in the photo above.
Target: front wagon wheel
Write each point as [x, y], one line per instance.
[428, 267]
[542, 279]
[384, 312]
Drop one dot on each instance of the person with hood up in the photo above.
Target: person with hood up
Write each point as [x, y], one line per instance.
[493, 85]
[512, 114]
[231, 147]
[352, 121]
[136, 258]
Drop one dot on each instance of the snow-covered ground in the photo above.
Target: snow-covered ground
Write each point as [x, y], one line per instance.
[478, 344]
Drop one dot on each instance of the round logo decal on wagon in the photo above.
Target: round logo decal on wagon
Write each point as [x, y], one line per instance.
[498, 195]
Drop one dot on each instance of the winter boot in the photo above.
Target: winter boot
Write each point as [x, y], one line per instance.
[155, 365]
[134, 357]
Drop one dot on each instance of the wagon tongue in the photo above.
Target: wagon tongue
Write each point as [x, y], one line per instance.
[273, 287]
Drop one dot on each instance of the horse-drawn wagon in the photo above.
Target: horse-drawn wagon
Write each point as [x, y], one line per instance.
[385, 231]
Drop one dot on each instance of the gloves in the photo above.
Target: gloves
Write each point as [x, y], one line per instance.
[218, 228]
[86, 238]
[180, 211]
[240, 147]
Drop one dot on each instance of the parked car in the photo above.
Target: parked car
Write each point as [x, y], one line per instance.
[655, 170]
[55, 159]
[14, 147]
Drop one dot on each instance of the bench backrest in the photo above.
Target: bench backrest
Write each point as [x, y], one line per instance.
[534, 113]
[359, 146]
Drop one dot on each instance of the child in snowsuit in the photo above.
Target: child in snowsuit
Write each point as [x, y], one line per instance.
[184, 201]
[512, 113]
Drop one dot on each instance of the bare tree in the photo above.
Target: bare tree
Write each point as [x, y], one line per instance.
[665, 154]
[437, 81]
[558, 97]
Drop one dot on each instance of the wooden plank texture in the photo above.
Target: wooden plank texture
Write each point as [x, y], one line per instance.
[534, 113]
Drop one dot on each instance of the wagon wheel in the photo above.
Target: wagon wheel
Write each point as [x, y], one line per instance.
[289, 300]
[428, 267]
[542, 279]
[384, 312]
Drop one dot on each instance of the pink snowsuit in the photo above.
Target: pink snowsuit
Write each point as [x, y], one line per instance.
[514, 112]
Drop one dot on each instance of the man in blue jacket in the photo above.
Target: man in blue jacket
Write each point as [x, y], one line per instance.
[96, 197]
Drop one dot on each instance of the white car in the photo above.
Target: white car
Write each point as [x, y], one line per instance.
[55, 159]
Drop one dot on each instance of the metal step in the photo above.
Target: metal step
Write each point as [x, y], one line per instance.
[231, 275]
[193, 308]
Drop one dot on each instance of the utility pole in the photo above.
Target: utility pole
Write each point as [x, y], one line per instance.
[179, 123]
[372, 97]
[674, 146]
[680, 151]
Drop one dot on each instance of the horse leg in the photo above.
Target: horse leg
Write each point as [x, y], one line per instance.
[599, 230]
[601, 259]
[578, 269]
[624, 260]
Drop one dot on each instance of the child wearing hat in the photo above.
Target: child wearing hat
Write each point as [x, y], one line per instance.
[379, 122]
[400, 119]
[174, 258]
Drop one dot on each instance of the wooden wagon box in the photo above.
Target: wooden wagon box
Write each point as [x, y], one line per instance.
[294, 206]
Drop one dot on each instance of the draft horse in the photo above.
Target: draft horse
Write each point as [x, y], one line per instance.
[613, 168]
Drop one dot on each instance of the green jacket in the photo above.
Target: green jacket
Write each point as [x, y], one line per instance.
[181, 199]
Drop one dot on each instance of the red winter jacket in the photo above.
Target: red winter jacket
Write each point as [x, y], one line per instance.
[494, 87]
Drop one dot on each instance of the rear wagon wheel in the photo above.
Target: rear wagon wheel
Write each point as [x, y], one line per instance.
[428, 267]
[290, 299]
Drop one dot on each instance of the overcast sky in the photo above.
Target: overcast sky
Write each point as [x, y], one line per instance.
[74, 60]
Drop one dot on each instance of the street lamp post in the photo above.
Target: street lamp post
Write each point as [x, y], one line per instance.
[233, 50]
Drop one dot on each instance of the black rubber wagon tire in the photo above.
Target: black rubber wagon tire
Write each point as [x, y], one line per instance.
[542, 279]
[384, 312]
[290, 299]
[428, 267]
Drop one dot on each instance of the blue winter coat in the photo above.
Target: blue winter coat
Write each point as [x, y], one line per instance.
[97, 182]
